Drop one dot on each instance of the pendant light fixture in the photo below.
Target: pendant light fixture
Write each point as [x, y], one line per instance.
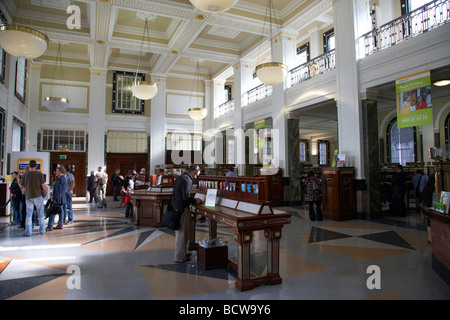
[57, 104]
[271, 73]
[143, 90]
[213, 6]
[196, 113]
[21, 41]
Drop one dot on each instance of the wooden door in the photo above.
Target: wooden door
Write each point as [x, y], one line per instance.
[124, 162]
[77, 163]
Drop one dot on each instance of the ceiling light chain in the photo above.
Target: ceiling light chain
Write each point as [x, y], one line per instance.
[201, 112]
[143, 90]
[57, 104]
[271, 73]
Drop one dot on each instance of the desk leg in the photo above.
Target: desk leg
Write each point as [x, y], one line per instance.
[192, 245]
[212, 229]
[273, 237]
[136, 212]
[244, 240]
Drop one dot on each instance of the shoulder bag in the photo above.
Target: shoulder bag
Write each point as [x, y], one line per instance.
[171, 218]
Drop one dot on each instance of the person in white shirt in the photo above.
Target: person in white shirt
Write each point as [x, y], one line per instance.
[102, 179]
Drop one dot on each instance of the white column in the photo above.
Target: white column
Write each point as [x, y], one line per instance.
[33, 105]
[210, 151]
[281, 51]
[97, 105]
[12, 103]
[218, 92]
[239, 145]
[242, 75]
[315, 43]
[218, 98]
[386, 11]
[158, 125]
[348, 102]
[209, 104]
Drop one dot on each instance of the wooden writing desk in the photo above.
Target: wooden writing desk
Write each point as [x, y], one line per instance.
[149, 205]
[244, 217]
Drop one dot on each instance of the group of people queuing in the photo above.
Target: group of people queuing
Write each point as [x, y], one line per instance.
[122, 186]
[27, 194]
[96, 185]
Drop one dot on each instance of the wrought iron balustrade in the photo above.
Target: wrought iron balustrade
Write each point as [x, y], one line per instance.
[260, 92]
[312, 68]
[224, 109]
[408, 26]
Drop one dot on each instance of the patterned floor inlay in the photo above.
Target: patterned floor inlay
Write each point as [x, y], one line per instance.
[121, 261]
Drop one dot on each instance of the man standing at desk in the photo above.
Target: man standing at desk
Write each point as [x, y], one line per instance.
[181, 200]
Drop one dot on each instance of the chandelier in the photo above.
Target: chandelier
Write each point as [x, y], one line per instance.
[196, 113]
[57, 104]
[21, 41]
[271, 73]
[213, 6]
[143, 90]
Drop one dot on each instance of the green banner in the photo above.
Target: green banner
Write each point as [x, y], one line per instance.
[414, 106]
[260, 138]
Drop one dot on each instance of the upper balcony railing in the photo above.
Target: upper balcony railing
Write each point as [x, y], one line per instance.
[410, 25]
[224, 109]
[260, 92]
[312, 68]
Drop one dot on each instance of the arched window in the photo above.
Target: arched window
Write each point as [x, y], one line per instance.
[447, 137]
[401, 144]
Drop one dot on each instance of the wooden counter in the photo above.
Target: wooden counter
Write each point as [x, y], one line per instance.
[242, 203]
[338, 193]
[244, 218]
[440, 242]
[149, 206]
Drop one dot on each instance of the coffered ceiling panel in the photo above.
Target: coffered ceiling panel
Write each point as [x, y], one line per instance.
[111, 31]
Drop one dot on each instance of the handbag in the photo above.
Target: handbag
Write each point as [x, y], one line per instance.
[126, 198]
[53, 209]
[171, 218]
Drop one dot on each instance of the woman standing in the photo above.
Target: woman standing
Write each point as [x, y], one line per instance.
[129, 187]
[58, 198]
[314, 196]
[16, 197]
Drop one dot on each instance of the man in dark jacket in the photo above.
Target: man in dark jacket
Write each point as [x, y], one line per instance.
[182, 198]
[116, 184]
[92, 186]
[58, 198]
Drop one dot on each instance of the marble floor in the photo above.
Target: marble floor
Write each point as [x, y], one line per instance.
[101, 256]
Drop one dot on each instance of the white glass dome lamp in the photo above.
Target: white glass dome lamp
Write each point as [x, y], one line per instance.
[213, 6]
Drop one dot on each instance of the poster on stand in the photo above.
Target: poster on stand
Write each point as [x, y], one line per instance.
[414, 106]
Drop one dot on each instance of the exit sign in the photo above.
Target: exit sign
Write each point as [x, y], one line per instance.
[62, 157]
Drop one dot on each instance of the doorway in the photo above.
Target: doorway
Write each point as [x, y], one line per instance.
[77, 163]
[124, 162]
